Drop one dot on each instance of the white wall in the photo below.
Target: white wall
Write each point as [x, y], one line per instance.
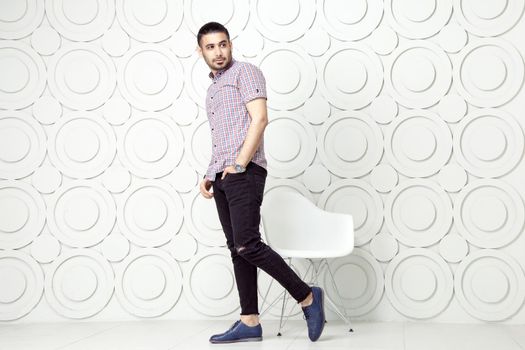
[406, 114]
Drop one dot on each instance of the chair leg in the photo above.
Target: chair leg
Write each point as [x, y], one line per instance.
[282, 315]
[344, 314]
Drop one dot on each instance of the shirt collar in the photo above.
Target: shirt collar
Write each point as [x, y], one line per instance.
[220, 72]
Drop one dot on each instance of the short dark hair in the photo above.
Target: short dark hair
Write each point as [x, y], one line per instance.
[211, 27]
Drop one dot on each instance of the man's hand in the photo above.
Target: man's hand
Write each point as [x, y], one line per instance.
[228, 170]
[205, 188]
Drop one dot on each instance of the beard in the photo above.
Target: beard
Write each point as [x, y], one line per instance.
[219, 63]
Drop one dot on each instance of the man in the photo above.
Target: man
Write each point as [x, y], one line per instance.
[236, 108]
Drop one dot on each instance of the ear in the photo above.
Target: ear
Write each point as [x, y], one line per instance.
[199, 50]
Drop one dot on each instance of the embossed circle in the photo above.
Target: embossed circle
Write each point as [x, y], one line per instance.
[289, 144]
[384, 247]
[18, 19]
[488, 19]
[81, 145]
[418, 74]
[490, 285]
[358, 83]
[359, 279]
[198, 145]
[288, 23]
[150, 213]
[418, 212]
[80, 21]
[150, 77]
[350, 144]
[290, 75]
[22, 284]
[316, 178]
[453, 248]
[22, 214]
[488, 142]
[418, 143]
[489, 213]
[202, 220]
[22, 145]
[233, 14]
[81, 213]
[79, 283]
[151, 22]
[349, 20]
[418, 19]
[209, 283]
[419, 283]
[150, 145]
[148, 282]
[359, 199]
[81, 76]
[492, 87]
[23, 75]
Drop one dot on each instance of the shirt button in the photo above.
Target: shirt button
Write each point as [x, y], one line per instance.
[211, 97]
[212, 129]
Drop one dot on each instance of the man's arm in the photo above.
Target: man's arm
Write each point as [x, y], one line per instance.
[259, 119]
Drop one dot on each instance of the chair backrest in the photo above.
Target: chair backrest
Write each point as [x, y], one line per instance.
[295, 227]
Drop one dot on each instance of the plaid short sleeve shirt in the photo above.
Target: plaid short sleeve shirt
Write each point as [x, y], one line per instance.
[231, 89]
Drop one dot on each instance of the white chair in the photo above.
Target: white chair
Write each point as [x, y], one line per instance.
[296, 228]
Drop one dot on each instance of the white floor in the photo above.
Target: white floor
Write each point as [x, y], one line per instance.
[193, 335]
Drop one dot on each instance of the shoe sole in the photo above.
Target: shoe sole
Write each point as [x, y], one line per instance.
[243, 340]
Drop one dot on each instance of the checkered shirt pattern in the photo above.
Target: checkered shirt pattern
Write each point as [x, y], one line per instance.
[231, 89]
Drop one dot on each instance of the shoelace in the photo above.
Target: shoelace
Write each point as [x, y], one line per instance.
[306, 312]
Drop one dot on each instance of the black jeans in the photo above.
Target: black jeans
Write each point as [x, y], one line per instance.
[238, 198]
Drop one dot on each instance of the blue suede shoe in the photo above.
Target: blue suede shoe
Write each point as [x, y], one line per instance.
[314, 314]
[238, 332]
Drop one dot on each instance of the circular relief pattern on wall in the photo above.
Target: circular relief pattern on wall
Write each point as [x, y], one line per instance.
[290, 75]
[488, 18]
[150, 145]
[150, 213]
[209, 283]
[148, 282]
[418, 143]
[22, 214]
[22, 284]
[81, 76]
[79, 283]
[81, 20]
[359, 279]
[233, 14]
[489, 213]
[286, 185]
[81, 145]
[416, 19]
[45, 248]
[490, 285]
[22, 145]
[359, 199]
[283, 20]
[203, 221]
[350, 144]
[151, 22]
[150, 77]
[81, 213]
[23, 75]
[45, 40]
[419, 283]
[418, 212]
[198, 145]
[350, 75]
[350, 20]
[316, 178]
[198, 80]
[289, 144]
[488, 142]
[418, 74]
[492, 87]
[18, 19]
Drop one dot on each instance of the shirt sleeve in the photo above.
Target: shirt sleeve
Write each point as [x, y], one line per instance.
[252, 84]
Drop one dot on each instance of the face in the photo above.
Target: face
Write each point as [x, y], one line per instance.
[216, 50]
